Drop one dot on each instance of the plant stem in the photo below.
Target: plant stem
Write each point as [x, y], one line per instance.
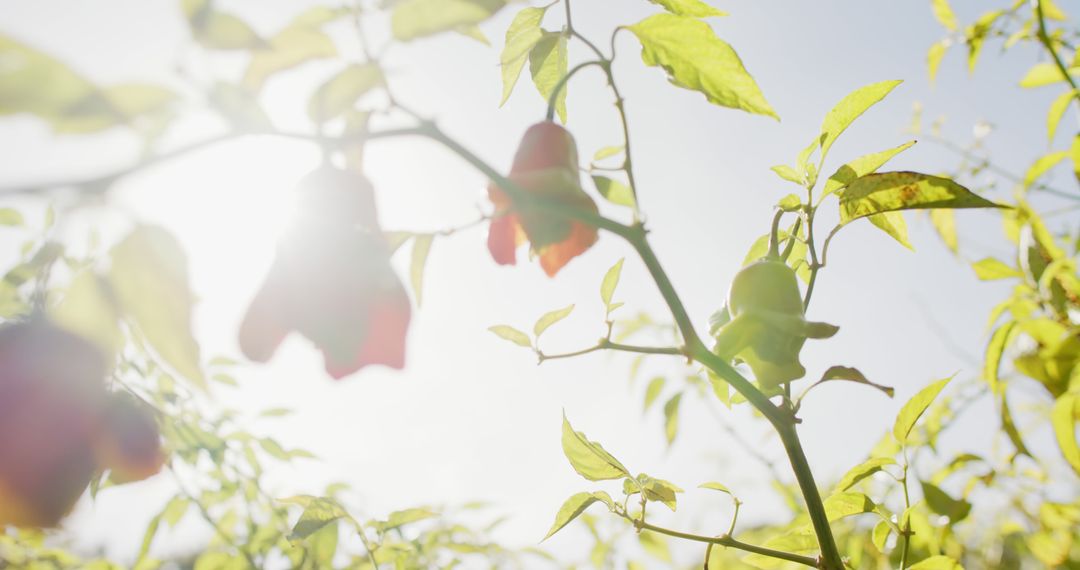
[1044, 39]
[552, 99]
[605, 344]
[728, 541]
[815, 507]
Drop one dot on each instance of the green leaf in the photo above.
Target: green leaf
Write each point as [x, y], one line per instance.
[944, 222]
[994, 352]
[339, 93]
[842, 505]
[175, 510]
[914, 408]
[401, 518]
[511, 334]
[551, 318]
[989, 269]
[880, 535]
[790, 203]
[716, 487]
[588, 458]
[1056, 111]
[214, 29]
[570, 509]
[610, 282]
[944, 14]
[10, 217]
[547, 64]
[850, 108]
[24, 73]
[894, 191]
[413, 19]
[893, 224]
[788, 173]
[944, 505]
[89, 310]
[653, 390]
[976, 33]
[1041, 166]
[1064, 417]
[299, 42]
[866, 164]
[934, 56]
[691, 8]
[608, 152]
[862, 471]
[614, 191]
[420, 250]
[694, 58]
[659, 490]
[853, 375]
[318, 513]
[671, 417]
[939, 562]
[655, 545]
[1043, 74]
[149, 277]
[522, 35]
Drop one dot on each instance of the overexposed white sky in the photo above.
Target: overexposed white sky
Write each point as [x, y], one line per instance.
[472, 417]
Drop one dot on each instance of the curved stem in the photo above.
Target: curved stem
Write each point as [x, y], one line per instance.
[553, 98]
[1044, 39]
[608, 345]
[574, 33]
[726, 540]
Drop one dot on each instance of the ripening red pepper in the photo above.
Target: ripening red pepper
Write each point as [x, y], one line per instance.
[332, 281]
[54, 424]
[546, 164]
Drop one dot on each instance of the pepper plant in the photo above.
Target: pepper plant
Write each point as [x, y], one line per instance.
[332, 282]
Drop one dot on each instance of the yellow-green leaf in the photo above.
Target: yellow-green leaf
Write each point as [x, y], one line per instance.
[934, 56]
[894, 191]
[547, 64]
[944, 14]
[223, 31]
[1064, 417]
[691, 8]
[866, 164]
[610, 282]
[652, 391]
[1043, 74]
[944, 222]
[413, 19]
[847, 504]
[850, 108]
[588, 458]
[570, 509]
[862, 471]
[339, 93]
[1041, 166]
[149, 276]
[420, 250]
[521, 37]
[914, 408]
[88, 309]
[551, 318]
[696, 59]
[989, 269]
[938, 562]
[614, 191]
[994, 352]
[671, 417]
[893, 224]
[511, 334]
[1056, 111]
[300, 42]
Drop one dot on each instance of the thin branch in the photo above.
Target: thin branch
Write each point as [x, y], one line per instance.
[1044, 39]
[605, 344]
[725, 540]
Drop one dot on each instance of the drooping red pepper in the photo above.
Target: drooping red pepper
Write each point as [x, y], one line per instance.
[332, 281]
[546, 164]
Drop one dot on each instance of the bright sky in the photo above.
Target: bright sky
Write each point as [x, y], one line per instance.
[473, 417]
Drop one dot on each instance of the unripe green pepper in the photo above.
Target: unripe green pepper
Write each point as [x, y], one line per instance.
[767, 327]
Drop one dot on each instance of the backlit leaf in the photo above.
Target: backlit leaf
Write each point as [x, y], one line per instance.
[696, 59]
[318, 513]
[866, 164]
[862, 471]
[511, 334]
[1064, 417]
[570, 509]
[1042, 166]
[1056, 111]
[850, 108]
[852, 375]
[299, 42]
[989, 269]
[614, 191]
[671, 417]
[692, 8]
[846, 504]
[588, 458]
[914, 408]
[547, 64]
[610, 282]
[551, 318]
[413, 19]
[994, 352]
[944, 222]
[938, 562]
[150, 279]
[934, 56]
[944, 14]
[893, 224]
[421, 249]
[521, 37]
[652, 391]
[894, 191]
[1043, 74]
[339, 93]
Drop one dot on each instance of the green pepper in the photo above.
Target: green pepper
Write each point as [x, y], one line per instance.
[767, 327]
